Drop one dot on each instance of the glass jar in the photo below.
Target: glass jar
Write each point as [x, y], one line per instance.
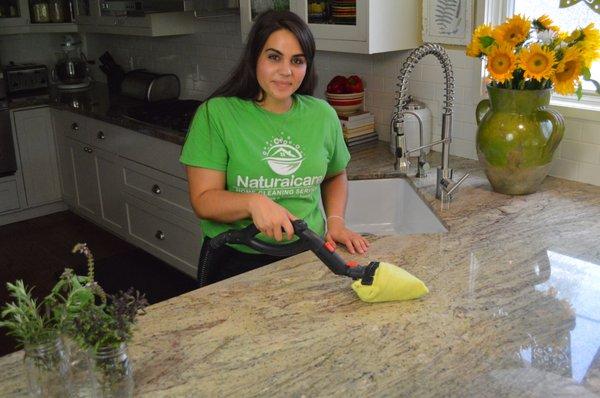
[112, 372]
[41, 11]
[56, 11]
[81, 380]
[47, 369]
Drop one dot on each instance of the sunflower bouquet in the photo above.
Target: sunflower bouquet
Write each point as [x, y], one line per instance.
[526, 54]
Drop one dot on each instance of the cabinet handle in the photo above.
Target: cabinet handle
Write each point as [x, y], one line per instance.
[156, 189]
[88, 149]
[75, 127]
[160, 235]
[100, 135]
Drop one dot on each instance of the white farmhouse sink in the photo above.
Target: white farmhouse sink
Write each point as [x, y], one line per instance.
[388, 206]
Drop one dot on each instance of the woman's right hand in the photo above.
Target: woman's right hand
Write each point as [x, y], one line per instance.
[271, 218]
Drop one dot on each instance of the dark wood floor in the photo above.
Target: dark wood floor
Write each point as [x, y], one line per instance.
[38, 250]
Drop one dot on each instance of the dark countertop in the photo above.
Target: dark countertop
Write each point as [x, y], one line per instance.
[97, 103]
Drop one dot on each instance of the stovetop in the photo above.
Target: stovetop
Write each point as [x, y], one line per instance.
[173, 114]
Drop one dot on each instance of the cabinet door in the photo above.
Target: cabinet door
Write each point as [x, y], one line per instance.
[249, 9]
[110, 184]
[37, 151]
[86, 180]
[87, 11]
[334, 20]
[65, 161]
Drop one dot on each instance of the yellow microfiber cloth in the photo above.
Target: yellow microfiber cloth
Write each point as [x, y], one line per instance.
[390, 283]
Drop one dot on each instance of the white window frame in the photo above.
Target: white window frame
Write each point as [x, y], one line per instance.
[495, 12]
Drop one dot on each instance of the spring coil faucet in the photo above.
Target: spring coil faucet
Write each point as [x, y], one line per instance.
[445, 187]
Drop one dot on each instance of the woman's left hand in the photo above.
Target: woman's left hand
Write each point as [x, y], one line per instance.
[337, 232]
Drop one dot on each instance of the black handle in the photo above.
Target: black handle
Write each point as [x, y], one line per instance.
[308, 240]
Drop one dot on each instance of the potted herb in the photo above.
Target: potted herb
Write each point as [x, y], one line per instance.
[105, 330]
[35, 328]
[101, 325]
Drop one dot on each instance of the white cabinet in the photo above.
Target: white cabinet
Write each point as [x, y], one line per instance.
[130, 183]
[22, 22]
[91, 171]
[379, 25]
[9, 195]
[37, 150]
[86, 182]
[90, 19]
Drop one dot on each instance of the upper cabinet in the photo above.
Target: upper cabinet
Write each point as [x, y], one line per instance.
[361, 26]
[35, 16]
[104, 16]
[94, 16]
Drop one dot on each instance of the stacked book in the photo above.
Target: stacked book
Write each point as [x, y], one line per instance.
[358, 128]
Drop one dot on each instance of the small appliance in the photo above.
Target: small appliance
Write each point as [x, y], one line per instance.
[151, 87]
[25, 79]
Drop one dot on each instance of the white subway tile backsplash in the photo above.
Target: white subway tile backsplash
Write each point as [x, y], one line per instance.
[580, 152]
[564, 168]
[589, 173]
[590, 132]
[573, 129]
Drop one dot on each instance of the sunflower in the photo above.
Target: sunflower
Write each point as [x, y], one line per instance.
[514, 31]
[480, 41]
[544, 23]
[537, 62]
[501, 62]
[589, 45]
[567, 71]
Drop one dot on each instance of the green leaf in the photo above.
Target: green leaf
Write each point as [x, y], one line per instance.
[579, 91]
[585, 71]
[486, 41]
[568, 3]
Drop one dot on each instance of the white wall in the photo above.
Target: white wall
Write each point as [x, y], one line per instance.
[30, 47]
[203, 60]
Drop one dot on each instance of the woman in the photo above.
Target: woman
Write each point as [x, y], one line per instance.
[263, 150]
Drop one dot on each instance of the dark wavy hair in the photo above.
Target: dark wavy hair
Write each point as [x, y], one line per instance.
[243, 82]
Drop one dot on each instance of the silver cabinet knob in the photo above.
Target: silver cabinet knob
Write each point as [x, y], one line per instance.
[160, 235]
[100, 135]
[156, 189]
[74, 127]
[88, 149]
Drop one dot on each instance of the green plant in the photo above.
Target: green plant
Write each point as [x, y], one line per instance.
[109, 324]
[27, 321]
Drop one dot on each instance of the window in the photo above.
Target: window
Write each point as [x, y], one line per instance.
[578, 15]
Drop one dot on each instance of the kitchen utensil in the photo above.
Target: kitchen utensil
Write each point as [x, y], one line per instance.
[151, 87]
[375, 282]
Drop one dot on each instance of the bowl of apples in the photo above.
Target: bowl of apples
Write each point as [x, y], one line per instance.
[345, 94]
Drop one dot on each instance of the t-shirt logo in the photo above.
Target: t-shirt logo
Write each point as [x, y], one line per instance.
[282, 156]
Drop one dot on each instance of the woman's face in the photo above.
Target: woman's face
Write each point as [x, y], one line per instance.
[281, 66]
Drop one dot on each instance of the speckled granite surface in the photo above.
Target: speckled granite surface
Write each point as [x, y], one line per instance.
[97, 103]
[513, 310]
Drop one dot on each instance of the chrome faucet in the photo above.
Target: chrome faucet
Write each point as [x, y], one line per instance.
[445, 187]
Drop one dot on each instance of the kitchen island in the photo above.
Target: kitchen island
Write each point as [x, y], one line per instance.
[513, 310]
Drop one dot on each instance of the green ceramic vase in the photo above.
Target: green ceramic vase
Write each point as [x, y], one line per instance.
[517, 135]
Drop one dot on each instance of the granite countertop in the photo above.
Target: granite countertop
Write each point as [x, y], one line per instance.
[96, 102]
[513, 309]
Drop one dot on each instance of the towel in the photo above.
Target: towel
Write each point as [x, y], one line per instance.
[390, 283]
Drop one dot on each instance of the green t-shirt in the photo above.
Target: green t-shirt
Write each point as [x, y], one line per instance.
[283, 156]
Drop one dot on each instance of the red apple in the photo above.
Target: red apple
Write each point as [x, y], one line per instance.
[337, 85]
[355, 84]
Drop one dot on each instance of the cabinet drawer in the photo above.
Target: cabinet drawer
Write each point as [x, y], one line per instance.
[163, 190]
[72, 125]
[104, 135]
[9, 197]
[158, 154]
[172, 239]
